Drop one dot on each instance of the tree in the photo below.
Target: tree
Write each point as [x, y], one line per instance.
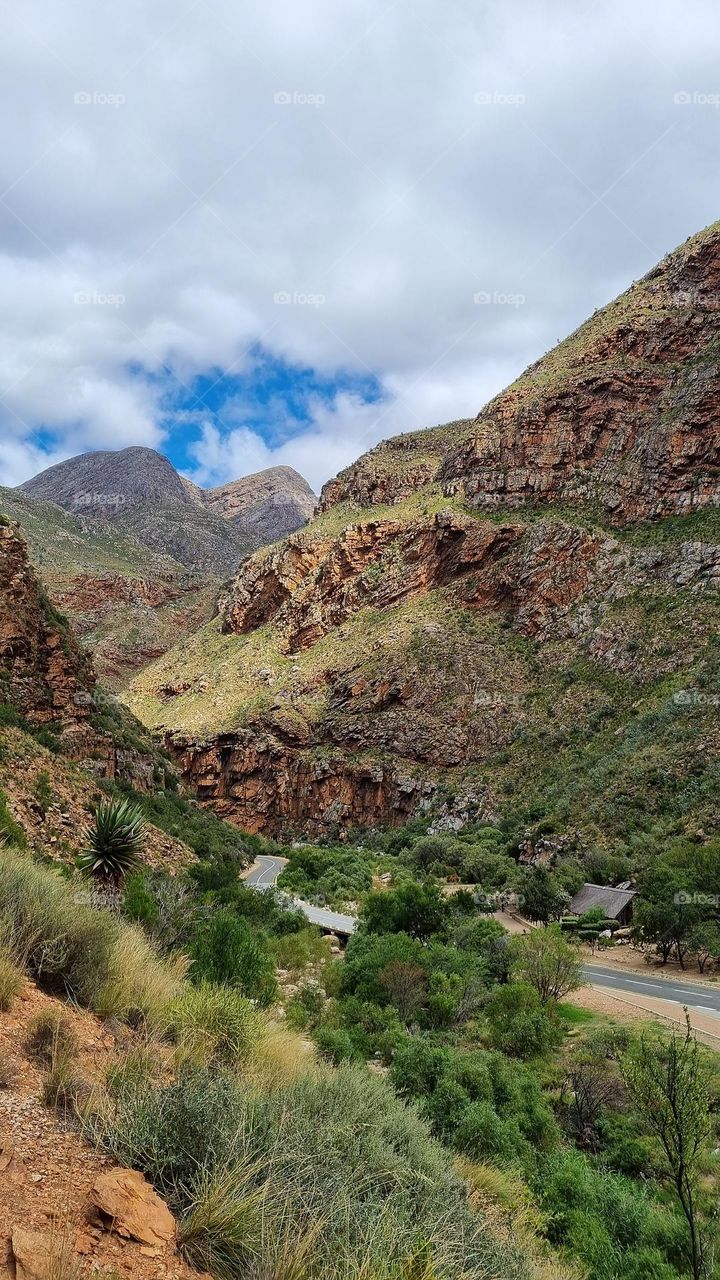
[406, 985]
[226, 950]
[541, 895]
[520, 1024]
[704, 939]
[419, 910]
[544, 959]
[670, 1085]
[668, 905]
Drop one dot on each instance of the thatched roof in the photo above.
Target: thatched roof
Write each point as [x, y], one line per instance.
[612, 901]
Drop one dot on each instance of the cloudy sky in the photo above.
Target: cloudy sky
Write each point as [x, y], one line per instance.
[248, 233]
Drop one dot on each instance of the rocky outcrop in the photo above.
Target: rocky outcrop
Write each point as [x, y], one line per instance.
[123, 1198]
[621, 416]
[44, 671]
[308, 586]
[49, 679]
[264, 783]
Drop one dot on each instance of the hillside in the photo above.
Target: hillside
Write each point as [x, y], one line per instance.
[511, 617]
[134, 554]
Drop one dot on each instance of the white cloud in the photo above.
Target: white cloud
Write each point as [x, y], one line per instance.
[382, 185]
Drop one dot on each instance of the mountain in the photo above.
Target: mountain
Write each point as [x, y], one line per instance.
[270, 504]
[135, 554]
[140, 492]
[513, 617]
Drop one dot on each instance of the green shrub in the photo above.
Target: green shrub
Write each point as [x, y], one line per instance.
[63, 943]
[115, 840]
[337, 1045]
[520, 1025]
[294, 951]
[42, 791]
[225, 950]
[214, 1024]
[351, 1182]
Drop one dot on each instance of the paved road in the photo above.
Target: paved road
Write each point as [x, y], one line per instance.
[680, 992]
[264, 876]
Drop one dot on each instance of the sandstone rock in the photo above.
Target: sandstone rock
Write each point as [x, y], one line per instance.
[135, 1210]
[36, 1254]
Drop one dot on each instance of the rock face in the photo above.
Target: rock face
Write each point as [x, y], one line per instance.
[536, 575]
[47, 676]
[622, 415]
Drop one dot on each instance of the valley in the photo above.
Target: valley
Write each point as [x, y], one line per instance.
[274, 779]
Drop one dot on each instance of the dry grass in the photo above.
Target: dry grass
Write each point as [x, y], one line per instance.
[11, 980]
[141, 986]
[279, 1056]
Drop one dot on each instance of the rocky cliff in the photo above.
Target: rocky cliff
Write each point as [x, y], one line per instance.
[509, 616]
[622, 415]
[48, 682]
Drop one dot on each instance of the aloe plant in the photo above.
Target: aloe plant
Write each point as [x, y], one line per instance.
[115, 840]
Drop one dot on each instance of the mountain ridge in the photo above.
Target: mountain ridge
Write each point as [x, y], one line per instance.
[136, 554]
[517, 591]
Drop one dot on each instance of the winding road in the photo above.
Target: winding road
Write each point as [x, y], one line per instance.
[266, 869]
[263, 875]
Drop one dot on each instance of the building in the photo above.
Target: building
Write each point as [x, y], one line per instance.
[617, 904]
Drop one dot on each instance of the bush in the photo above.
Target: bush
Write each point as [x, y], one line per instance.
[337, 1045]
[115, 840]
[63, 944]
[51, 1036]
[520, 1025]
[214, 1025]
[225, 950]
[294, 951]
[140, 985]
[352, 1184]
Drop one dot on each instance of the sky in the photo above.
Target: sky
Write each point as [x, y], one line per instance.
[248, 234]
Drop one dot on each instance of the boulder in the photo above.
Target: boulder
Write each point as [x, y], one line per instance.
[134, 1208]
[35, 1254]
